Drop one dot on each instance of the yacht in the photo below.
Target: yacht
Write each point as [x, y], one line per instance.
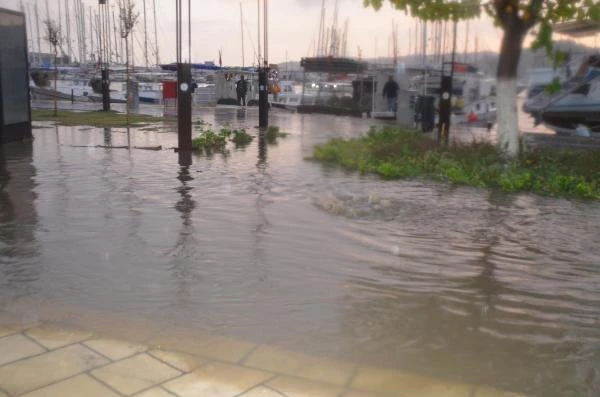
[576, 104]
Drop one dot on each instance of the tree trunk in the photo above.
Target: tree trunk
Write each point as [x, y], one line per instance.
[506, 89]
[55, 78]
[127, 81]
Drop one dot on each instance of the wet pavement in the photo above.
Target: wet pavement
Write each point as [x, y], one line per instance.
[265, 248]
[42, 361]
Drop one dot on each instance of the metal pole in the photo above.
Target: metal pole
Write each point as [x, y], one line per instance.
[258, 37]
[145, 34]
[190, 33]
[184, 103]
[242, 29]
[104, 56]
[263, 82]
[155, 34]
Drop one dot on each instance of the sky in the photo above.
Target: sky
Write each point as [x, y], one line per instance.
[292, 29]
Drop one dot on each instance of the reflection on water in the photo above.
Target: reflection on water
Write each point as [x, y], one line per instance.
[261, 244]
[19, 265]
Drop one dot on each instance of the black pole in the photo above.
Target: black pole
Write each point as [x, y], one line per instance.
[184, 97]
[105, 90]
[184, 107]
[445, 112]
[104, 59]
[263, 98]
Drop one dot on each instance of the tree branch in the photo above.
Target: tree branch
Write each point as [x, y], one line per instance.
[533, 10]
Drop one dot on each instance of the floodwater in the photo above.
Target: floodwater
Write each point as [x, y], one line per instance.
[263, 245]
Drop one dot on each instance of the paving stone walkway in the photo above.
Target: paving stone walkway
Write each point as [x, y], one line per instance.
[44, 361]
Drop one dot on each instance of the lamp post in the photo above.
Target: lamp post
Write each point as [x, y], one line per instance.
[445, 113]
[263, 73]
[184, 79]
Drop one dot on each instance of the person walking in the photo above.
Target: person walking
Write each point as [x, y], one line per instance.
[241, 88]
[390, 90]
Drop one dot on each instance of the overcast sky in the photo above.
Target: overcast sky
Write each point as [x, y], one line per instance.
[293, 28]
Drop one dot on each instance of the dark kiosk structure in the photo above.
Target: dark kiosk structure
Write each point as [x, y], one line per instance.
[15, 110]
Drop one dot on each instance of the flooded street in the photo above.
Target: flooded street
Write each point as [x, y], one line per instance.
[263, 245]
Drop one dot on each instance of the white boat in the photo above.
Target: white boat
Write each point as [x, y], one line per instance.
[288, 97]
[539, 78]
[579, 107]
[481, 112]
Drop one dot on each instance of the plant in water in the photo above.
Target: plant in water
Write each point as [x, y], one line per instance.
[241, 138]
[272, 133]
[396, 153]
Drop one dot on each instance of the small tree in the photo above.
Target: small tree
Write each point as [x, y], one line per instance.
[54, 38]
[516, 18]
[128, 18]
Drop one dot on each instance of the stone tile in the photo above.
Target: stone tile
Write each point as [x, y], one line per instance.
[216, 347]
[11, 329]
[262, 391]
[114, 349]
[181, 361]
[16, 347]
[396, 383]
[295, 387]
[300, 365]
[491, 392]
[154, 392]
[216, 380]
[35, 372]
[135, 374]
[81, 385]
[358, 393]
[53, 338]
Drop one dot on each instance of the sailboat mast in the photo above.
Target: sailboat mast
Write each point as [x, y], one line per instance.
[116, 43]
[466, 42]
[424, 44]
[83, 32]
[91, 31]
[68, 23]
[48, 20]
[258, 16]
[321, 29]
[242, 31]
[155, 34]
[78, 29]
[37, 28]
[29, 27]
[145, 34]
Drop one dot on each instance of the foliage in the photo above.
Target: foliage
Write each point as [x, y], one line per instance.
[272, 133]
[53, 34]
[128, 17]
[209, 141]
[94, 119]
[514, 15]
[241, 138]
[395, 153]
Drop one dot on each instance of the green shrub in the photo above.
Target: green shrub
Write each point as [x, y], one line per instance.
[393, 152]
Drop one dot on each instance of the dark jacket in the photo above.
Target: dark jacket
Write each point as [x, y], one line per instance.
[390, 89]
[241, 87]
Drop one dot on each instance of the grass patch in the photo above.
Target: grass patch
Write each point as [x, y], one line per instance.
[94, 118]
[272, 133]
[209, 141]
[241, 138]
[395, 153]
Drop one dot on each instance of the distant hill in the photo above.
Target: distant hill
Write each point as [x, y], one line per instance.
[487, 61]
